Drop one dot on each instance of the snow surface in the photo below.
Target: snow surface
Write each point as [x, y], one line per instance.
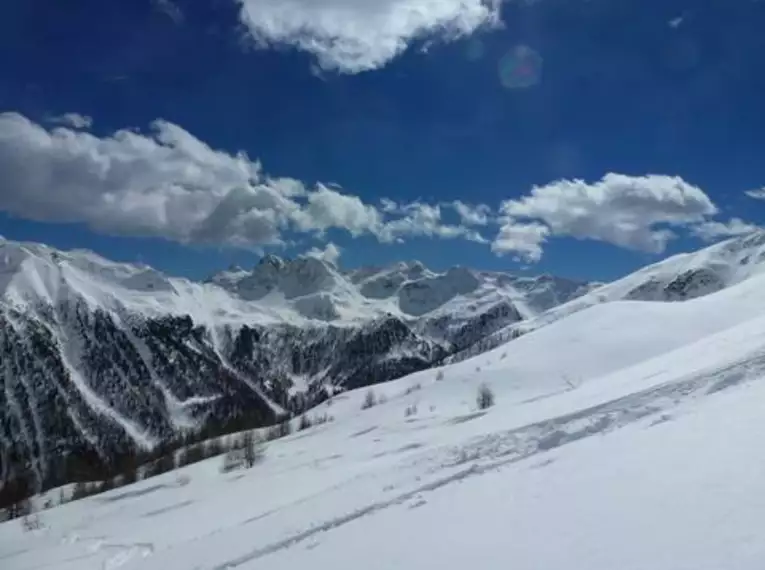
[626, 435]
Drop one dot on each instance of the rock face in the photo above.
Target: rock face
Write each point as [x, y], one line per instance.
[99, 360]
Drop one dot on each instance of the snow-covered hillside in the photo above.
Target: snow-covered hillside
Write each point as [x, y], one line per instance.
[678, 278]
[101, 358]
[624, 435]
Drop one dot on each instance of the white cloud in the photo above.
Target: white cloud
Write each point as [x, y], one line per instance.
[419, 219]
[328, 208]
[470, 215]
[757, 194]
[74, 120]
[167, 183]
[523, 239]
[710, 231]
[627, 211]
[330, 253]
[358, 35]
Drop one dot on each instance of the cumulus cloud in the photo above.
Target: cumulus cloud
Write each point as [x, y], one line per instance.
[525, 240]
[330, 253]
[420, 219]
[328, 208]
[710, 231]
[470, 215]
[167, 183]
[633, 212]
[74, 120]
[351, 36]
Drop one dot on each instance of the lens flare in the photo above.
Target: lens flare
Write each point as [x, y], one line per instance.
[520, 68]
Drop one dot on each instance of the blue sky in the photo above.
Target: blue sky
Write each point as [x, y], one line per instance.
[390, 101]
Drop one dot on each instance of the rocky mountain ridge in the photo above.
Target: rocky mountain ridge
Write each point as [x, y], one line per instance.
[100, 358]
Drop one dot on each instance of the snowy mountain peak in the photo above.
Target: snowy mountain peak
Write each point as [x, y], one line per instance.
[678, 278]
[271, 260]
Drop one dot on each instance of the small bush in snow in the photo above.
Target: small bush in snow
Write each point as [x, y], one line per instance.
[192, 454]
[304, 422]
[413, 388]
[439, 375]
[410, 410]
[370, 400]
[81, 490]
[245, 453]
[31, 522]
[253, 449]
[162, 465]
[130, 475]
[232, 459]
[322, 419]
[278, 431]
[485, 397]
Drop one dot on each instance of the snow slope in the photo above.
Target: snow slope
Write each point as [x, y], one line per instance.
[679, 278]
[625, 436]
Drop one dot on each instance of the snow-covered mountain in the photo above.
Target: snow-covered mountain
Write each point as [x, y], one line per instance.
[102, 358]
[678, 278]
[99, 358]
[624, 434]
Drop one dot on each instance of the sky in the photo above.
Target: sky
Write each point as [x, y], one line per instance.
[583, 138]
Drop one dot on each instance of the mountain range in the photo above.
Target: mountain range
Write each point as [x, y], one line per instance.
[100, 359]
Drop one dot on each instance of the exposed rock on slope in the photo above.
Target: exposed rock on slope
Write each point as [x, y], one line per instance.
[98, 359]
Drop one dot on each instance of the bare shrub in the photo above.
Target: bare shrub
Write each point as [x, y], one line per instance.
[410, 410]
[252, 447]
[413, 388]
[245, 452]
[129, 476]
[370, 400]
[232, 459]
[192, 454]
[279, 430]
[304, 423]
[485, 397]
[439, 375]
[319, 419]
[81, 490]
[570, 383]
[213, 448]
[162, 465]
[32, 522]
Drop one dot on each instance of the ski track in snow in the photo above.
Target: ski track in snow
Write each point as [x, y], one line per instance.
[520, 444]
